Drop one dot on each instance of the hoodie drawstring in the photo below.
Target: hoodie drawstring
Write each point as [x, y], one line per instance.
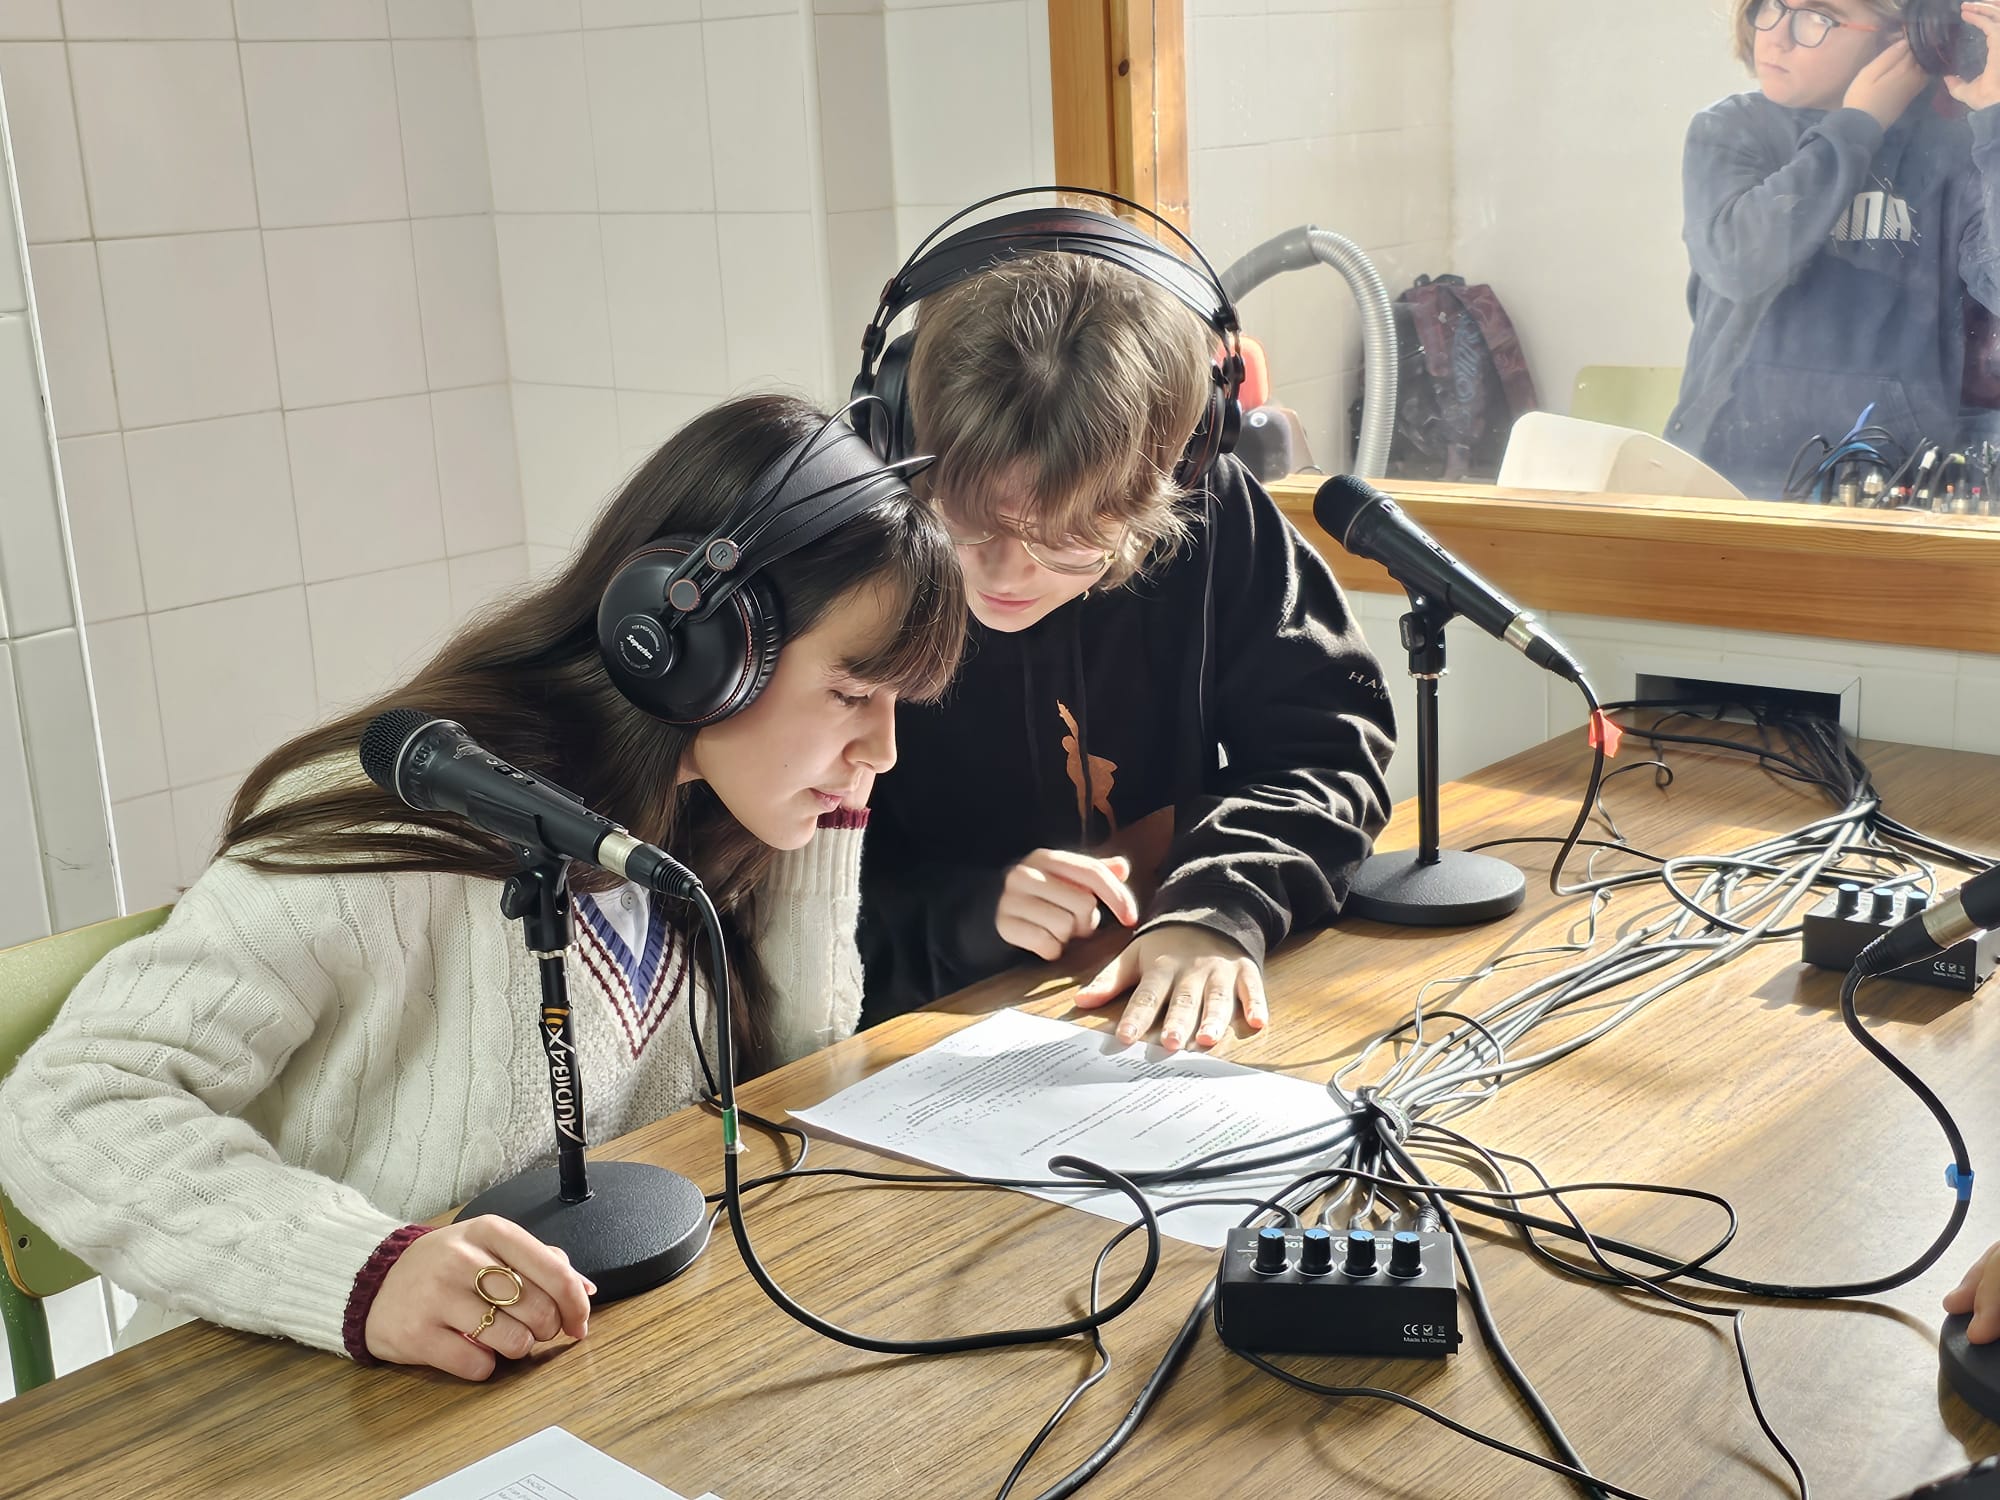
[1028, 724]
[1082, 724]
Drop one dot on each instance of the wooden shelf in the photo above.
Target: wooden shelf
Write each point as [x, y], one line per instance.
[1900, 577]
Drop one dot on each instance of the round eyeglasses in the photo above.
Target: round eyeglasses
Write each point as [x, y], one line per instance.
[1809, 27]
[1076, 561]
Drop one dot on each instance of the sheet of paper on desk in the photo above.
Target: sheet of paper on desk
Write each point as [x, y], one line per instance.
[552, 1465]
[1001, 1097]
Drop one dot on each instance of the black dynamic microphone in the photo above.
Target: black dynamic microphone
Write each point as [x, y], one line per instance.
[1968, 911]
[433, 764]
[1370, 524]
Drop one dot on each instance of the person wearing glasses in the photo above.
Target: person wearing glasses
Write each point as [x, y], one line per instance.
[1166, 712]
[1836, 220]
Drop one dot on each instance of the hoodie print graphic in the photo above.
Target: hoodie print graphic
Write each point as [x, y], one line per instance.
[1103, 774]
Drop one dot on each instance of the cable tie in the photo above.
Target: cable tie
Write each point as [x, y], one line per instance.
[1960, 1181]
[1380, 1108]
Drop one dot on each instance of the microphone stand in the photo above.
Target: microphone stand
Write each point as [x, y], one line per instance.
[638, 1224]
[1427, 886]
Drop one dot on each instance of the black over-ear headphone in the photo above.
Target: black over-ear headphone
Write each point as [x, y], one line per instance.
[687, 629]
[888, 422]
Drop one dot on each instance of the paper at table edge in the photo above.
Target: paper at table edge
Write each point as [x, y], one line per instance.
[556, 1455]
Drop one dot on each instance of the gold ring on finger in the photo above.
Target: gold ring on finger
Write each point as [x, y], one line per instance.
[479, 1286]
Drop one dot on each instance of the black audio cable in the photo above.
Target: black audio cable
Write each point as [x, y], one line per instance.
[1821, 758]
[1260, 1207]
[1071, 1171]
[1619, 1277]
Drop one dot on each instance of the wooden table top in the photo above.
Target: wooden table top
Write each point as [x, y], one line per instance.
[1744, 1083]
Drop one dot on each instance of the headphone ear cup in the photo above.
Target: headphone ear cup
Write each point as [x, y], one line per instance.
[892, 427]
[1214, 435]
[863, 414]
[1230, 420]
[697, 671]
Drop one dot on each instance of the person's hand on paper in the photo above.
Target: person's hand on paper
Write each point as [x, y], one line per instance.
[1979, 1294]
[428, 1307]
[1054, 897]
[1200, 976]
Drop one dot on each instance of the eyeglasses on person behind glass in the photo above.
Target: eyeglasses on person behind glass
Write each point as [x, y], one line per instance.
[1809, 27]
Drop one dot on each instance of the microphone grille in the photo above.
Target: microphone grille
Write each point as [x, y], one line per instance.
[1339, 501]
[383, 740]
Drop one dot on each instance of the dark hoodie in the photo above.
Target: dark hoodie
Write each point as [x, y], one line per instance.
[1830, 264]
[1060, 735]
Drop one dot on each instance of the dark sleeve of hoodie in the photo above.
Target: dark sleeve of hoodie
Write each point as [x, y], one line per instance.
[1979, 239]
[1304, 717]
[1751, 221]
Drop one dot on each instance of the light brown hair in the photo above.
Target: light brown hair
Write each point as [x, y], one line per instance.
[1068, 377]
[527, 682]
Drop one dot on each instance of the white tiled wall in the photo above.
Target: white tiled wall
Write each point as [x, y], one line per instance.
[56, 863]
[1335, 113]
[1494, 702]
[263, 246]
[696, 198]
[604, 210]
[978, 125]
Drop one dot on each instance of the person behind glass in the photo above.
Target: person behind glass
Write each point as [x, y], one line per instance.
[239, 1116]
[1835, 220]
[1121, 629]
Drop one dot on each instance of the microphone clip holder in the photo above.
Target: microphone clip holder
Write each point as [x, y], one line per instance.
[1429, 886]
[639, 1224]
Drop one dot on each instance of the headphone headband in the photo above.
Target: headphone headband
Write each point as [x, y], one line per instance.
[938, 264]
[992, 242]
[815, 486]
[688, 627]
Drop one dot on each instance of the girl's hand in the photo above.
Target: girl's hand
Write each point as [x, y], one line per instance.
[1982, 92]
[1053, 896]
[1979, 1294]
[1200, 976]
[1889, 84]
[429, 1307]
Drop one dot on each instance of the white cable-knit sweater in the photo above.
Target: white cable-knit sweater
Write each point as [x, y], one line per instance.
[230, 1114]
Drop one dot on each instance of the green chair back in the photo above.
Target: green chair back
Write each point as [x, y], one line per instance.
[35, 979]
[1641, 397]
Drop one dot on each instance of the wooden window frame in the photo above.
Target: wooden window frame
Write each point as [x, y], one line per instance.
[1118, 78]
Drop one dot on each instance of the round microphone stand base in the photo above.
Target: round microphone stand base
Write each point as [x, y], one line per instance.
[1455, 889]
[1973, 1370]
[640, 1225]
